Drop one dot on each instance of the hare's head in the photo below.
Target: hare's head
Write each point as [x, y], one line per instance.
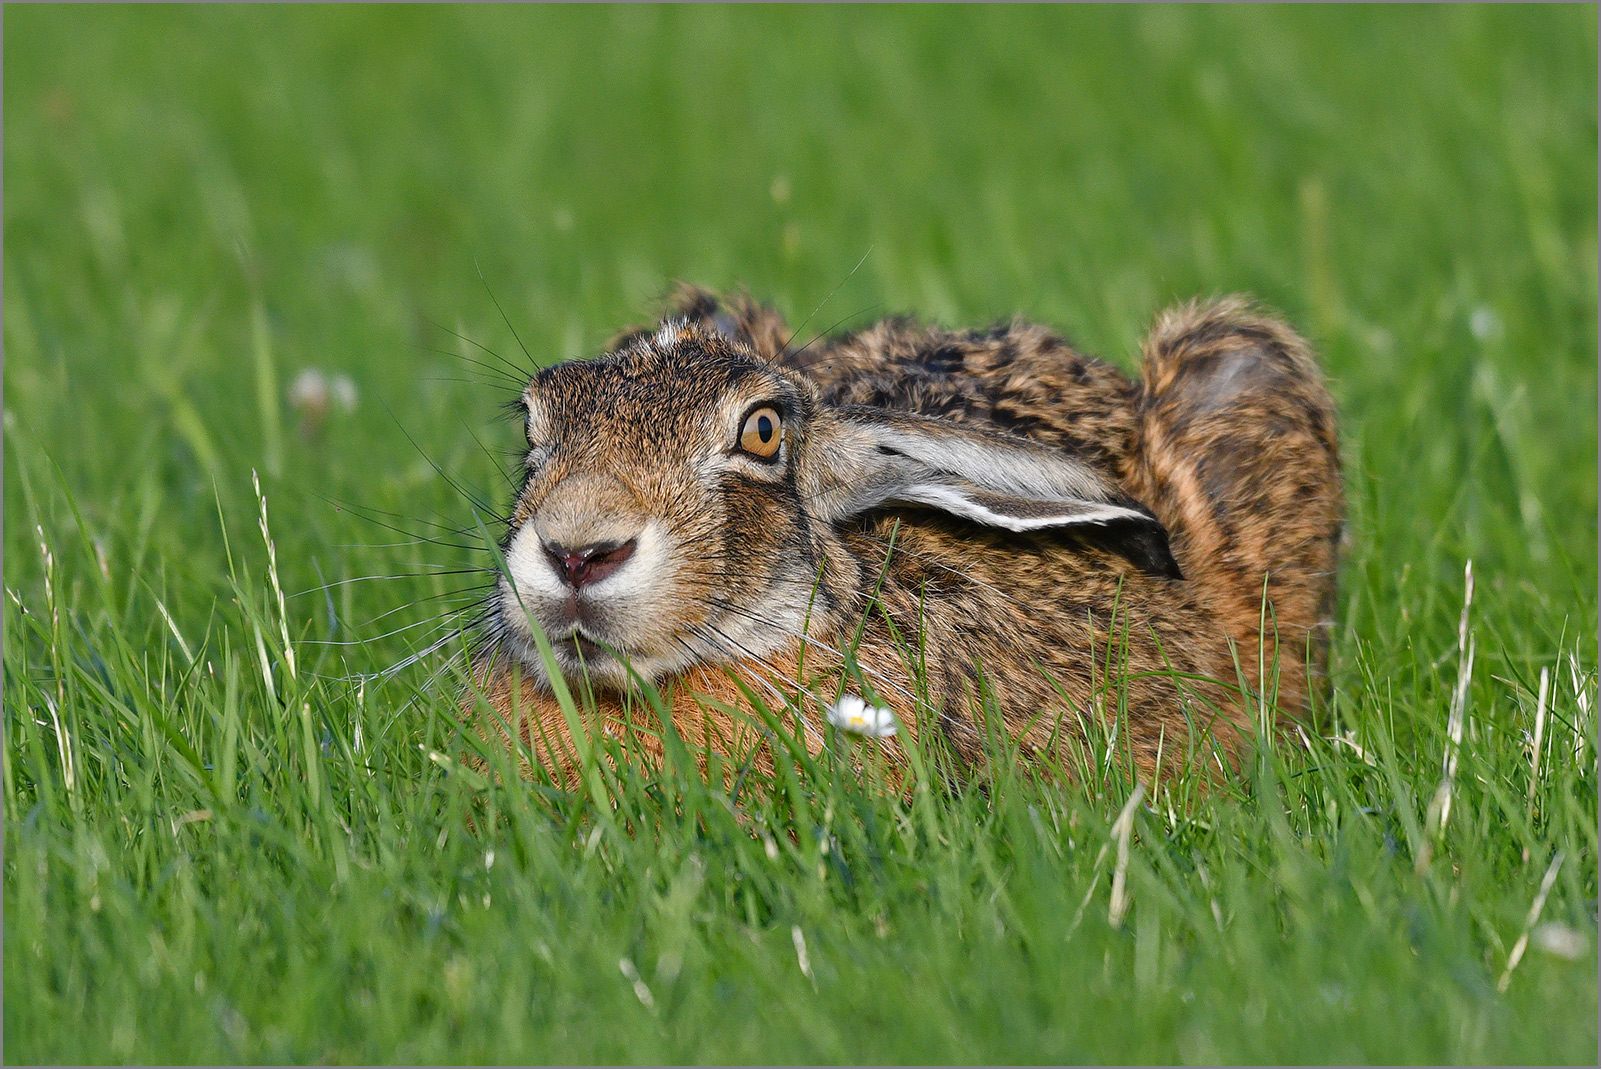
[683, 498]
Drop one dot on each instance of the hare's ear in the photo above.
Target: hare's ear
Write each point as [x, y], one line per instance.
[858, 459]
[736, 317]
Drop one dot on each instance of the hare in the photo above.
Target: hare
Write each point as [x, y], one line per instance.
[984, 529]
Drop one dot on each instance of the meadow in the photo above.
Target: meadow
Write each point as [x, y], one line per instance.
[237, 823]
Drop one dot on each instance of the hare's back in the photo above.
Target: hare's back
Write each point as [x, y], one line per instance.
[1015, 376]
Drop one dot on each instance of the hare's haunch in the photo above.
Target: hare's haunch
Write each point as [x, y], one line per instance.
[968, 525]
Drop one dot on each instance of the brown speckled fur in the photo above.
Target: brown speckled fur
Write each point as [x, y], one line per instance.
[1229, 439]
[1239, 457]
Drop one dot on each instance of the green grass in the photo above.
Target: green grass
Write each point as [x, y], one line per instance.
[214, 852]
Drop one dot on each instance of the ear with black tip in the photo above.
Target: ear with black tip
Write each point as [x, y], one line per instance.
[857, 459]
[1143, 545]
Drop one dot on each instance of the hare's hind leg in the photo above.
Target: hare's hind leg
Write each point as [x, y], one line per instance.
[1239, 459]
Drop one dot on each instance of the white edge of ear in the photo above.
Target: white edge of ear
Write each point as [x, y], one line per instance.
[1003, 468]
[958, 504]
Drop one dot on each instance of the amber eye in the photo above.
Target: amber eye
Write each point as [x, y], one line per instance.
[762, 432]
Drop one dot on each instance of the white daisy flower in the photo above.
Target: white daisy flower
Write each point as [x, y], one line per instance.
[852, 714]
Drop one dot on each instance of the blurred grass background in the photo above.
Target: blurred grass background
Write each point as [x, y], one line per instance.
[204, 202]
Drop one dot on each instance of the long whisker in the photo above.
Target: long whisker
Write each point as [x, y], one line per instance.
[504, 473]
[426, 574]
[729, 607]
[367, 512]
[713, 641]
[823, 357]
[415, 538]
[504, 318]
[466, 494]
[826, 300]
[493, 384]
[413, 659]
[459, 603]
[522, 375]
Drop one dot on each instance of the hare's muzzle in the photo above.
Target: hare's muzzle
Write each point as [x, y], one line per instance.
[590, 597]
[587, 567]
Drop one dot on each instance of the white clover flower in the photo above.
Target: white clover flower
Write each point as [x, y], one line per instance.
[1485, 323]
[313, 393]
[852, 714]
[309, 391]
[1560, 940]
[343, 388]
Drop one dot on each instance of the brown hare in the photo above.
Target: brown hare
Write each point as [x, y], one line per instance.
[983, 530]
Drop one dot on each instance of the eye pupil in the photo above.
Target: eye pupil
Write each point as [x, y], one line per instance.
[761, 433]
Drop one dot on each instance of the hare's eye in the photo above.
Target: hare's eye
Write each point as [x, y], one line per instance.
[762, 432]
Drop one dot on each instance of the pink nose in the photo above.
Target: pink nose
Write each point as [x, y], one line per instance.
[589, 564]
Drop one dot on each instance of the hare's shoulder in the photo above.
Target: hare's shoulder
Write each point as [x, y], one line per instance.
[1026, 611]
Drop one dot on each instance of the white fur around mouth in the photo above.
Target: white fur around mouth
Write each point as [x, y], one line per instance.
[531, 593]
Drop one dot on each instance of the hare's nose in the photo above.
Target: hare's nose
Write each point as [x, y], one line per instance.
[588, 564]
